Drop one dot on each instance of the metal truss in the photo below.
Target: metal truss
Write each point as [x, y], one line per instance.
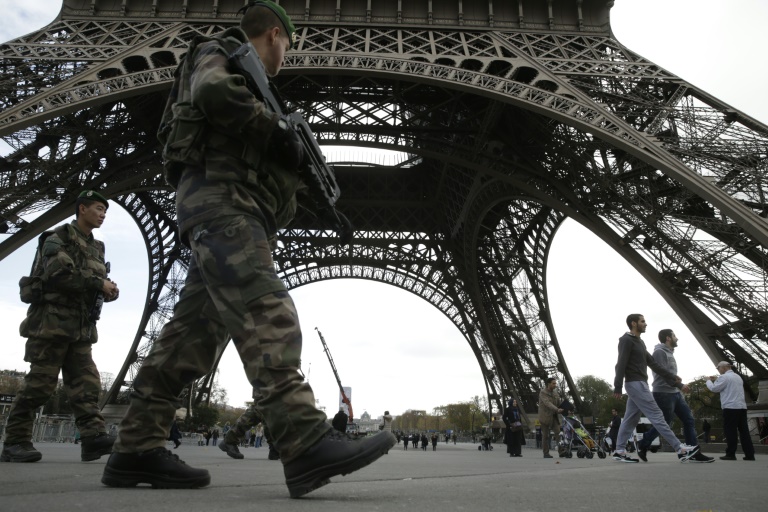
[514, 117]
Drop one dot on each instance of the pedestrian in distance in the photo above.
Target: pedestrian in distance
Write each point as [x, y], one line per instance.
[632, 373]
[513, 434]
[706, 428]
[340, 421]
[734, 406]
[175, 434]
[66, 289]
[670, 400]
[233, 164]
[548, 411]
[386, 425]
[613, 431]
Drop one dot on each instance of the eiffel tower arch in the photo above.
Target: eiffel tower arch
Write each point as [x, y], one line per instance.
[513, 117]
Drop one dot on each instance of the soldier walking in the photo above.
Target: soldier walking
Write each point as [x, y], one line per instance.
[234, 165]
[67, 287]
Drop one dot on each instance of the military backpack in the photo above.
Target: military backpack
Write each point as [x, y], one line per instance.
[31, 286]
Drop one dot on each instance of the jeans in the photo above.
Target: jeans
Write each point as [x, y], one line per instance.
[641, 401]
[672, 403]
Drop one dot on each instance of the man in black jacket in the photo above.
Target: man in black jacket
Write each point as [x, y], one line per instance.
[632, 371]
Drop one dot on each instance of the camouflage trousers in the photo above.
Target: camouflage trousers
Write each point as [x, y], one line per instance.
[81, 381]
[231, 289]
[249, 419]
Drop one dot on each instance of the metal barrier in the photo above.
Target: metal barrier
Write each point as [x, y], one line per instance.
[52, 428]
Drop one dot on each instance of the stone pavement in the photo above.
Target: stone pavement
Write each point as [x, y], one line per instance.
[453, 478]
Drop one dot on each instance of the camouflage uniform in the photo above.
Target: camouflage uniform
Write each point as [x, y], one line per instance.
[60, 334]
[231, 197]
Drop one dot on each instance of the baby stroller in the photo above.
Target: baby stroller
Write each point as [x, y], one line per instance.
[575, 435]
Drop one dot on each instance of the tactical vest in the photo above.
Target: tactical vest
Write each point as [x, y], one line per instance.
[54, 312]
[186, 135]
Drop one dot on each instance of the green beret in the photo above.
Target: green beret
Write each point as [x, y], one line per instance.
[290, 30]
[93, 196]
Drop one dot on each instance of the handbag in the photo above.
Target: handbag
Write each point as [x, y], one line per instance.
[516, 426]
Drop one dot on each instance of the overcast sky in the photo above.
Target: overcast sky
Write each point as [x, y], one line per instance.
[395, 350]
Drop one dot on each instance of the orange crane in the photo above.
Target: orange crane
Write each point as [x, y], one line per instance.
[344, 397]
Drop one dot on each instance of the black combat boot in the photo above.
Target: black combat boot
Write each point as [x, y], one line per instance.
[334, 454]
[229, 446]
[158, 467]
[93, 447]
[20, 452]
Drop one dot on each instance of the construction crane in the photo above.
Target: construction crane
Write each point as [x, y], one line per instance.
[344, 397]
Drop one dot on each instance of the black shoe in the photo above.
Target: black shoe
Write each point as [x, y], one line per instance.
[622, 457]
[158, 467]
[700, 457]
[273, 454]
[643, 454]
[727, 457]
[548, 456]
[93, 447]
[20, 452]
[690, 452]
[334, 454]
[749, 458]
[231, 449]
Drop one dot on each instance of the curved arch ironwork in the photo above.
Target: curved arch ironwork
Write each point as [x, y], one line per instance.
[513, 123]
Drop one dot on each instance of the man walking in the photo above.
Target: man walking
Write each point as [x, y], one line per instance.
[234, 165]
[65, 292]
[670, 399]
[734, 405]
[613, 431]
[632, 372]
[548, 411]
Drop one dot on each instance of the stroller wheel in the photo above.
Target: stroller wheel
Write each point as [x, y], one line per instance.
[590, 455]
[569, 455]
[600, 455]
[580, 454]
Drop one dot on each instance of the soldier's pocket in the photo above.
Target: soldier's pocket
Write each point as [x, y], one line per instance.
[232, 251]
[39, 351]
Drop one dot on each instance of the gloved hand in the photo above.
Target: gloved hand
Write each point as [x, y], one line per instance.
[285, 145]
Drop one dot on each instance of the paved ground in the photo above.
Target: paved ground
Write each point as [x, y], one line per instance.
[453, 478]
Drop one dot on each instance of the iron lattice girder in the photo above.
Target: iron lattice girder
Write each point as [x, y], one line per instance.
[573, 121]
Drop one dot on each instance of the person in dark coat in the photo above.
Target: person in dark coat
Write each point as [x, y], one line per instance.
[424, 441]
[175, 435]
[613, 432]
[340, 421]
[707, 428]
[514, 432]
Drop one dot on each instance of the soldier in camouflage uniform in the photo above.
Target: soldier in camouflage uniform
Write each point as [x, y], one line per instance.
[234, 166]
[234, 436]
[70, 277]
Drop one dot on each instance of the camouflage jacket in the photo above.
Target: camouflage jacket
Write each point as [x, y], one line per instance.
[214, 128]
[74, 273]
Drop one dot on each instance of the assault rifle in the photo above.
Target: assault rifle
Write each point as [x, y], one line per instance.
[316, 173]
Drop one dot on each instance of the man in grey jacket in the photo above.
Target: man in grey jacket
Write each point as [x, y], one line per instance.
[670, 399]
[632, 371]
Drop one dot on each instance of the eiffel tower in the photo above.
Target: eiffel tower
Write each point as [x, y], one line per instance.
[513, 116]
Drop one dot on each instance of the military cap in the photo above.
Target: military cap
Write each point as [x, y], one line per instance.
[290, 29]
[93, 196]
